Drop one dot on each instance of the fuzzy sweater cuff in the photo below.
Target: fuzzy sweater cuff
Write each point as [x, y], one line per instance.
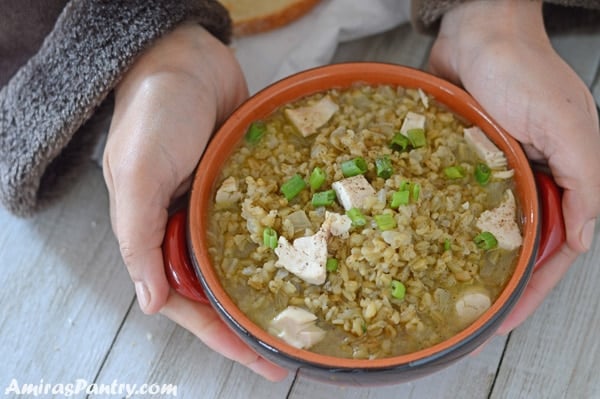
[80, 62]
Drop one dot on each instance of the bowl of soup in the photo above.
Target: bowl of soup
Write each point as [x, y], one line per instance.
[362, 223]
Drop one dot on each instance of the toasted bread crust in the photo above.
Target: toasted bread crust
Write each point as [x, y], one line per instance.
[268, 20]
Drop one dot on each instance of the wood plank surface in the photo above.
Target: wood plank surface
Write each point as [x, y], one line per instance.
[64, 289]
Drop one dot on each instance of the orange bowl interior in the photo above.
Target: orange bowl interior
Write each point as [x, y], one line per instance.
[340, 76]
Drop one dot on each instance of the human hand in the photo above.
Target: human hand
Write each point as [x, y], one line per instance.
[500, 53]
[166, 108]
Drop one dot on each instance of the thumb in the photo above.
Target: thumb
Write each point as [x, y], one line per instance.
[139, 216]
[580, 208]
[574, 165]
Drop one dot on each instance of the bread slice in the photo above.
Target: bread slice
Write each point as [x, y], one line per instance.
[254, 16]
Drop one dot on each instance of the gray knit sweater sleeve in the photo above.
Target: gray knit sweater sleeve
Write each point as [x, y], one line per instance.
[79, 63]
[426, 14]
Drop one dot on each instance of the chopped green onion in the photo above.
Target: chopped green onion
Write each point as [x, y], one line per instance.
[356, 216]
[416, 190]
[486, 240]
[331, 265]
[447, 244]
[317, 178]
[416, 137]
[482, 174]
[255, 132]
[353, 167]
[292, 187]
[398, 289]
[384, 167]
[400, 198]
[399, 142]
[454, 172]
[270, 238]
[404, 186]
[323, 198]
[385, 221]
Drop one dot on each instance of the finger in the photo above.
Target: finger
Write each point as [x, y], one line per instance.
[540, 285]
[204, 323]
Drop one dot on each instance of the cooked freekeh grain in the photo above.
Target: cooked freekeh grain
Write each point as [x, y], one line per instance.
[430, 249]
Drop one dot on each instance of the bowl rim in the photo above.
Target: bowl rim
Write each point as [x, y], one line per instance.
[342, 75]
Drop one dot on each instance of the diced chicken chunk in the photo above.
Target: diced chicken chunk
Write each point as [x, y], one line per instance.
[308, 119]
[297, 327]
[353, 191]
[307, 256]
[483, 146]
[501, 222]
[411, 121]
[471, 305]
[228, 193]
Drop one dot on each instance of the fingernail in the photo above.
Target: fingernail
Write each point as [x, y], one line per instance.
[142, 293]
[587, 233]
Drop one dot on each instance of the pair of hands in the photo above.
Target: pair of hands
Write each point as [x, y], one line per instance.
[176, 93]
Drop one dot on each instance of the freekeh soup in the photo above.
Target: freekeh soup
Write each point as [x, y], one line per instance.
[364, 222]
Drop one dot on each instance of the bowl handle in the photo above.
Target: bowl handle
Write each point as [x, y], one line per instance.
[182, 278]
[552, 231]
[178, 266]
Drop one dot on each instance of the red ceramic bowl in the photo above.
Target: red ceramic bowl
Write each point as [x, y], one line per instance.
[543, 229]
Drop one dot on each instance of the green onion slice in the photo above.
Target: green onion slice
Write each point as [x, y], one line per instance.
[385, 221]
[356, 216]
[398, 289]
[317, 178]
[485, 240]
[255, 132]
[399, 142]
[482, 174]
[291, 188]
[331, 265]
[323, 198]
[416, 191]
[400, 198]
[270, 238]
[447, 244]
[416, 137]
[353, 167]
[454, 172]
[384, 167]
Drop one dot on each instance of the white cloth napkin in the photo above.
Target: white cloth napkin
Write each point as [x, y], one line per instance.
[312, 40]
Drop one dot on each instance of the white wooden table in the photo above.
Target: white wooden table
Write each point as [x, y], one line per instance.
[68, 309]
